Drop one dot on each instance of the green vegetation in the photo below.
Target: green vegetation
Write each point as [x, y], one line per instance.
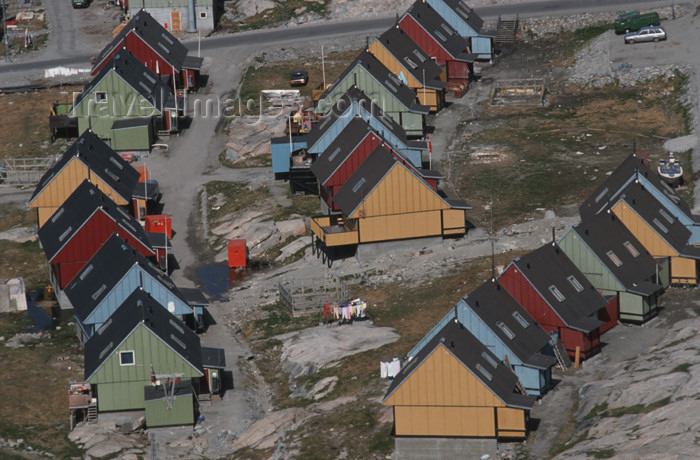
[637, 408]
[230, 197]
[562, 446]
[681, 368]
[597, 410]
[602, 453]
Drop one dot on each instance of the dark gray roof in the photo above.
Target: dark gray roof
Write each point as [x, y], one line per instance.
[213, 358]
[192, 62]
[364, 180]
[667, 226]
[147, 190]
[630, 169]
[340, 149]
[102, 161]
[457, 203]
[603, 234]
[107, 267]
[128, 123]
[152, 34]
[157, 392]
[137, 76]
[194, 297]
[79, 207]
[341, 108]
[158, 240]
[412, 57]
[441, 32]
[494, 305]
[549, 266]
[405, 95]
[467, 14]
[141, 309]
[473, 355]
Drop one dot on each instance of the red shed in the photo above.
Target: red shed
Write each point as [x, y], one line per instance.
[442, 43]
[156, 48]
[351, 147]
[80, 227]
[237, 254]
[559, 297]
[160, 223]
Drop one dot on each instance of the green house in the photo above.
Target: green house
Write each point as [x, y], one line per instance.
[384, 89]
[616, 263]
[139, 345]
[127, 104]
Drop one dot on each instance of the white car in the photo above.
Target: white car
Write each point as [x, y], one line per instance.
[646, 34]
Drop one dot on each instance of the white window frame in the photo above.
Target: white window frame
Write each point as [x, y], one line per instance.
[133, 355]
[104, 101]
[556, 293]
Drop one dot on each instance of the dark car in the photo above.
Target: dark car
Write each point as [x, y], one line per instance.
[299, 78]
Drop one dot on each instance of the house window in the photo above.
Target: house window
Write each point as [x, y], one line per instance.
[334, 154]
[99, 292]
[616, 260]
[661, 226]
[358, 185]
[484, 371]
[440, 36]
[601, 195]
[126, 358]
[390, 86]
[574, 282]
[666, 215]
[202, 15]
[556, 293]
[501, 325]
[488, 358]
[523, 322]
[631, 249]
[100, 96]
[410, 63]
[419, 55]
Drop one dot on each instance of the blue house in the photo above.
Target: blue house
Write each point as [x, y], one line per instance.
[508, 331]
[110, 276]
[468, 24]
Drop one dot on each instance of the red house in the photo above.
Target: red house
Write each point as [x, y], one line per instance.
[81, 225]
[560, 298]
[442, 43]
[156, 48]
[351, 147]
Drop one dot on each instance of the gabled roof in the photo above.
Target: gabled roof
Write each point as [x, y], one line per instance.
[135, 75]
[78, 208]
[340, 149]
[621, 253]
[104, 271]
[102, 161]
[343, 107]
[412, 58]
[631, 169]
[363, 181]
[513, 325]
[548, 269]
[154, 35]
[441, 32]
[665, 224]
[141, 309]
[473, 355]
[383, 76]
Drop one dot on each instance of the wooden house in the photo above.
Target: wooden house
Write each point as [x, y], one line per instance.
[441, 43]
[493, 316]
[455, 387]
[616, 263]
[659, 218]
[560, 298]
[468, 24]
[140, 346]
[404, 58]
[156, 48]
[383, 88]
[80, 226]
[385, 200]
[110, 276]
[347, 152]
[87, 158]
[181, 15]
[127, 103]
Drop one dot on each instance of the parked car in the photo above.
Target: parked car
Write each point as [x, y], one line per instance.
[646, 34]
[299, 78]
[631, 21]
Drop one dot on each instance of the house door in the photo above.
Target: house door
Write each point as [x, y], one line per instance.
[175, 20]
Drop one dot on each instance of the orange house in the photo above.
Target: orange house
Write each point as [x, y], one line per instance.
[455, 387]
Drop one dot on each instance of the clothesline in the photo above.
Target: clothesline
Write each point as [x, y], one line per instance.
[345, 312]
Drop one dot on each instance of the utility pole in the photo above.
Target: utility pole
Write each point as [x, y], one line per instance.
[4, 26]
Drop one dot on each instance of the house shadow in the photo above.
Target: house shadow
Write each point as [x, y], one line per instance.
[226, 382]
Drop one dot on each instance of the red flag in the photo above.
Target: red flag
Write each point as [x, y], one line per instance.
[430, 144]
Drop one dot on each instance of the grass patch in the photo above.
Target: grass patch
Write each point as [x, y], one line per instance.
[597, 410]
[572, 41]
[564, 446]
[227, 198]
[681, 368]
[637, 408]
[601, 453]
[302, 205]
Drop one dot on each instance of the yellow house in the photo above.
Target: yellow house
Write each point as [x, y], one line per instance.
[404, 58]
[88, 158]
[659, 231]
[385, 200]
[455, 387]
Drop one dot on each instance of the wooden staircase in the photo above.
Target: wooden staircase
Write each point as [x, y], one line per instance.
[506, 30]
[561, 361]
[92, 413]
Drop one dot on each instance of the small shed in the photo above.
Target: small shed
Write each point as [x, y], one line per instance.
[132, 134]
[379, 84]
[169, 402]
[214, 363]
[560, 298]
[617, 264]
[455, 387]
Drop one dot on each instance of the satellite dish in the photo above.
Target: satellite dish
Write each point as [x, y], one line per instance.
[171, 306]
